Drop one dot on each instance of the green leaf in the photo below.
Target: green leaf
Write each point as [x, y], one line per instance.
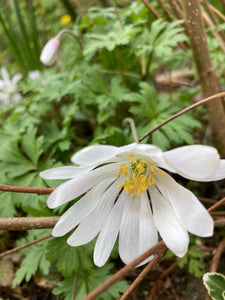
[88, 281]
[192, 258]
[33, 260]
[195, 267]
[14, 163]
[32, 146]
[41, 210]
[7, 205]
[157, 109]
[62, 254]
[160, 39]
[215, 284]
[109, 37]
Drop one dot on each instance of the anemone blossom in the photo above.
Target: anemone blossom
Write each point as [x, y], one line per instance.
[127, 194]
[8, 87]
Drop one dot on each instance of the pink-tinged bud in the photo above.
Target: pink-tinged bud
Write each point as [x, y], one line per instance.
[50, 51]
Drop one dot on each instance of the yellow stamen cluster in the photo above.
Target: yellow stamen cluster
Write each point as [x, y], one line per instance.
[139, 173]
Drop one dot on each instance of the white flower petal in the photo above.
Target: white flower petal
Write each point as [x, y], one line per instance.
[159, 160]
[191, 213]
[64, 172]
[218, 174]
[5, 76]
[2, 84]
[148, 235]
[154, 153]
[81, 209]
[193, 162]
[129, 230]
[109, 232]
[173, 234]
[94, 154]
[16, 77]
[140, 149]
[75, 187]
[88, 228]
[92, 224]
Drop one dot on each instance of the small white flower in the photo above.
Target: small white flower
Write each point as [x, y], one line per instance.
[50, 52]
[129, 194]
[34, 74]
[8, 87]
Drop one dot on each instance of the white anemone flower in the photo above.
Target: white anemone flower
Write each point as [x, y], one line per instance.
[8, 87]
[126, 193]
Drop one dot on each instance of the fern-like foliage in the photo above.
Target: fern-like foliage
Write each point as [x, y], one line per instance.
[154, 110]
[88, 281]
[75, 263]
[35, 258]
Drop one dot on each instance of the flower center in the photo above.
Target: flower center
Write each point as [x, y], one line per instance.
[139, 173]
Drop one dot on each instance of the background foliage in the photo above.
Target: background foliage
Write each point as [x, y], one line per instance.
[121, 64]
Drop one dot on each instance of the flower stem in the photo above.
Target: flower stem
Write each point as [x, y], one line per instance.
[72, 34]
[133, 128]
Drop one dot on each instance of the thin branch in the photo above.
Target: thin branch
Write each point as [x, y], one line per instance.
[216, 34]
[218, 213]
[27, 223]
[176, 8]
[165, 9]
[29, 190]
[151, 9]
[208, 99]
[217, 12]
[151, 265]
[217, 204]
[219, 222]
[75, 287]
[100, 289]
[216, 258]
[211, 13]
[25, 245]
[163, 275]
[207, 75]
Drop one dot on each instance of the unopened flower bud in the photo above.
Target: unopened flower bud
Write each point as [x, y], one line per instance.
[50, 51]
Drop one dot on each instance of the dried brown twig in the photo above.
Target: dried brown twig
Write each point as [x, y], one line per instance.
[207, 75]
[151, 265]
[219, 251]
[23, 189]
[27, 223]
[148, 5]
[204, 101]
[25, 245]
[100, 289]
[217, 204]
